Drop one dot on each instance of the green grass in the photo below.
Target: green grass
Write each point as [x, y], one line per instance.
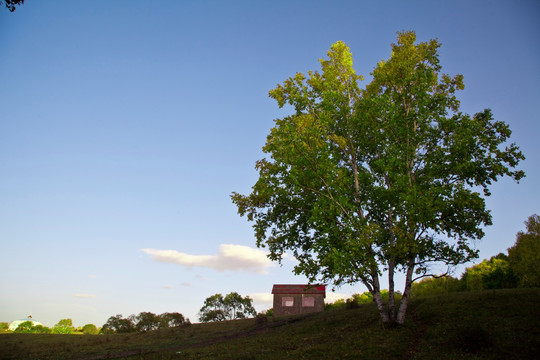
[499, 324]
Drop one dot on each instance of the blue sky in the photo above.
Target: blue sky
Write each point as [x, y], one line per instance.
[125, 126]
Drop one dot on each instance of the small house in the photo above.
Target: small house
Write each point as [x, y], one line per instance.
[298, 299]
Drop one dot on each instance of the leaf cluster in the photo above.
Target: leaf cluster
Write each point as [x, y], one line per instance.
[11, 4]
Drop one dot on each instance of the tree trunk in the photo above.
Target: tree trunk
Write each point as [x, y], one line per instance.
[400, 318]
[383, 311]
[391, 300]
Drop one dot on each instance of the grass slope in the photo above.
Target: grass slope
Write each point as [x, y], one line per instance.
[498, 324]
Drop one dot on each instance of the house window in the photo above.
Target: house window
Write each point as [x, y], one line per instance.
[287, 301]
[308, 301]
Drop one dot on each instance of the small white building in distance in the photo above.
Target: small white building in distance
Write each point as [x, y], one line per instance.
[14, 324]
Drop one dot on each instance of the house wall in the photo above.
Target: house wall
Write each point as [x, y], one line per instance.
[297, 308]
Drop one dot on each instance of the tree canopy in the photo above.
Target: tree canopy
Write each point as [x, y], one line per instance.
[12, 4]
[390, 177]
[232, 306]
[524, 256]
[64, 326]
[145, 321]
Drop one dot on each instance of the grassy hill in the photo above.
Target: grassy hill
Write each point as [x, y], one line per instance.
[498, 324]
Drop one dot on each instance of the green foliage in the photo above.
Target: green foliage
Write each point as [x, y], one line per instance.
[171, 320]
[364, 298]
[145, 321]
[12, 4]
[436, 286]
[213, 309]
[117, 324]
[338, 304]
[40, 329]
[494, 273]
[26, 327]
[232, 306]
[4, 326]
[238, 307]
[90, 329]
[64, 326]
[385, 177]
[524, 256]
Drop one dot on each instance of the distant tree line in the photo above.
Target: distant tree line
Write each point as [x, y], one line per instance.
[145, 321]
[517, 269]
[64, 326]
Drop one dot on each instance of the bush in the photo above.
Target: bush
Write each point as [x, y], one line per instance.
[351, 303]
[90, 329]
[494, 273]
[64, 326]
[28, 327]
[40, 329]
[261, 319]
[435, 286]
[338, 304]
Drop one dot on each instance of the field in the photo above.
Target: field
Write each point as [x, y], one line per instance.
[498, 324]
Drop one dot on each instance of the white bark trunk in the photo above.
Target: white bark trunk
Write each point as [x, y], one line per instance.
[383, 311]
[400, 318]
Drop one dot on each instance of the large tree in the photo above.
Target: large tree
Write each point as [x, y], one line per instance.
[524, 256]
[232, 306]
[381, 179]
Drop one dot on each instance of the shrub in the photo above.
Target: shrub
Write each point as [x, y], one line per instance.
[494, 273]
[64, 326]
[261, 319]
[40, 329]
[89, 329]
[26, 327]
[338, 304]
[434, 286]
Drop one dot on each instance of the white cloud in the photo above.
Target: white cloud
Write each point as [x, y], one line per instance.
[84, 296]
[262, 298]
[168, 287]
[230, 257]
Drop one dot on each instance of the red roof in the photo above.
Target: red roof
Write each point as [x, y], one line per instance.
[299, 289]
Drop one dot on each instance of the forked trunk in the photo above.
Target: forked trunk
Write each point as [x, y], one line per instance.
[387, 312]
[400, 317]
